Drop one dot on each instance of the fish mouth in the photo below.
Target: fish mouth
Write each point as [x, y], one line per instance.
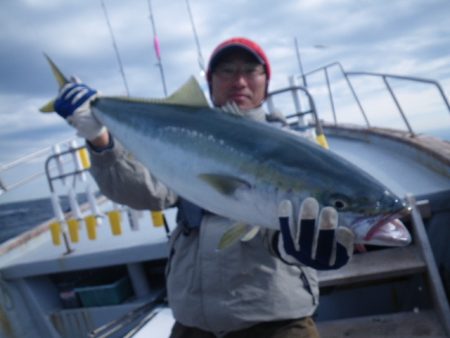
[389, 230]
[385, 230]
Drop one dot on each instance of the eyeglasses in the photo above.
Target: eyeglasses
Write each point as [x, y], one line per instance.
[229, 71]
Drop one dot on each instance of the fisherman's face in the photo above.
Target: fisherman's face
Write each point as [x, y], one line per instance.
[239, 78]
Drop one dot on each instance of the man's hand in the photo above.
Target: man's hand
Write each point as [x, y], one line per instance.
[314, 239]
[74, 104]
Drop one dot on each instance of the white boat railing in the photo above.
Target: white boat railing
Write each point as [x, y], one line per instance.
[10, 184]
[386, 78]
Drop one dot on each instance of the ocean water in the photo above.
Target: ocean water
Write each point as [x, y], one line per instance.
[18, 217]
[443, 133]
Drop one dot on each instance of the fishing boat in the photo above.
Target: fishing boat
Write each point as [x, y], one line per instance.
[97, 270]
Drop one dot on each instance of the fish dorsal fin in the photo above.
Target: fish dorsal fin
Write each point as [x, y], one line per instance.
[189, 94]
[224, 184]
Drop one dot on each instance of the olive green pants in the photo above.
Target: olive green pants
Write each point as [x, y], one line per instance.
[296, 328]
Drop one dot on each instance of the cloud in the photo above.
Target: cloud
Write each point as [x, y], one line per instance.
[401, 36]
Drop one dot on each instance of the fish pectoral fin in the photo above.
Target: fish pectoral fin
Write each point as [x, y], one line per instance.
[238, 231]
[225, 184]
[254, 230]
[189, 94]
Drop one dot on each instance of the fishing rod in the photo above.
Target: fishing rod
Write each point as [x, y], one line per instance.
[157, 216]
[116, 49]
[201, 61]
[320, 135]
[157, 48]
[299, 61]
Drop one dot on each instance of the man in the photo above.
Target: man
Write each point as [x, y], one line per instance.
[264, 287]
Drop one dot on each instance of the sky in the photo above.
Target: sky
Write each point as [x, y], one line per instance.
[410, 37]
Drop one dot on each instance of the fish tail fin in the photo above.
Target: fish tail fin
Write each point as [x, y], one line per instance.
[49, 107]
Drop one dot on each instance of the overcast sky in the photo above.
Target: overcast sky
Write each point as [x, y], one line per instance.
[392, 36]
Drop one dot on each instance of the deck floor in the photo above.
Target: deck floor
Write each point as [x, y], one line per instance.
[405, 324]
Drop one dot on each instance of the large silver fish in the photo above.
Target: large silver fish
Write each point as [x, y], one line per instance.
[242, 169]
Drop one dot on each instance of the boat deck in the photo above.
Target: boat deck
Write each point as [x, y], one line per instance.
[40, 256]
[419, 166]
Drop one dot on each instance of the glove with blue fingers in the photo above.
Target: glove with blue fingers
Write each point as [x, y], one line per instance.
[74, 104]
[314, 239]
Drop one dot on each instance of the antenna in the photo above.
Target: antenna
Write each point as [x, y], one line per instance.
[156, 47]
[116, 49]
[201, 61]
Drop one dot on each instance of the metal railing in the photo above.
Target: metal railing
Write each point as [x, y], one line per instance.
[386, 80]
[53, 159]
[294, 90]
[7, 185]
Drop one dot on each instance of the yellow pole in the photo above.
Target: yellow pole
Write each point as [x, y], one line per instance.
[73, 230]
[91, 226]
[157, 218]
[84, 157]
[322, 140]
[115, 222]
[320, 135]
[55, 231]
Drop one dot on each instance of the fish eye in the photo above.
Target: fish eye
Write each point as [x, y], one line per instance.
[338, 202]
